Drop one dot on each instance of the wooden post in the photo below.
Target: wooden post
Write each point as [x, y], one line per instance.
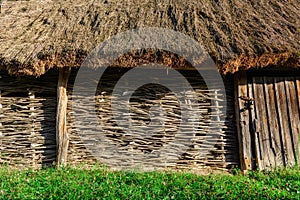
[242, 119]
[62, 139]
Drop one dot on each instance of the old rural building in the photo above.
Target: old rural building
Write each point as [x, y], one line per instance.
[254, 44]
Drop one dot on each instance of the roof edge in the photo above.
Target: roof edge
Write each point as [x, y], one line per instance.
[42, 64]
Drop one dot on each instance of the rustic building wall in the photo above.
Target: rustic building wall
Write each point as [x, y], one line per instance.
[27, 120]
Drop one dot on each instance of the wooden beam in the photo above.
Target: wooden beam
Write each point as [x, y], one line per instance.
[242, 119]
[62, 139]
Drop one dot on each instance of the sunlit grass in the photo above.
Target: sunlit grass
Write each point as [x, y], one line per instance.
[101, 183]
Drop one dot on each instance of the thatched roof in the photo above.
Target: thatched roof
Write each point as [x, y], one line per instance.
[241, 34]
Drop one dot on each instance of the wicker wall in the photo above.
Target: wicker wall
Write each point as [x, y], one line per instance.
[27, 123]
[27, 120]
[223, 155]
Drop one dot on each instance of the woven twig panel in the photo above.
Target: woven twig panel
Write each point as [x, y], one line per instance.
[221, 150]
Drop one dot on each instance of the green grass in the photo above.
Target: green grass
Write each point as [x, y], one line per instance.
[100, 183]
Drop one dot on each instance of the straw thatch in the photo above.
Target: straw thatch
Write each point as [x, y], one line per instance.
[238, 34]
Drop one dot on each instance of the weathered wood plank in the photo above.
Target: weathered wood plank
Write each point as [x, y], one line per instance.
[258, 136]
[273, 121]
[242, 116]
[293, 111]
[262, 119]
[61, 116]
[297, 82]
[274, 127]
[255, 129]
[298, 91]
[288, 130]
[283, 118]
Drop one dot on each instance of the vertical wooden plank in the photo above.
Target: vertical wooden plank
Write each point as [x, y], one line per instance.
[283, 118]
[262, 119]
[275, 141]
[297, 82]
[298, 91]
[288, 131]
[61, 116]
[293, 112]
[256, 129]
[258, 135]
[242, 116]
[287, 122]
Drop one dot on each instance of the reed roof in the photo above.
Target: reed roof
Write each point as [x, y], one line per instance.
[36, 36]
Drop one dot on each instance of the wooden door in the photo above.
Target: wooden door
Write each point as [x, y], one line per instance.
[274, 120]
